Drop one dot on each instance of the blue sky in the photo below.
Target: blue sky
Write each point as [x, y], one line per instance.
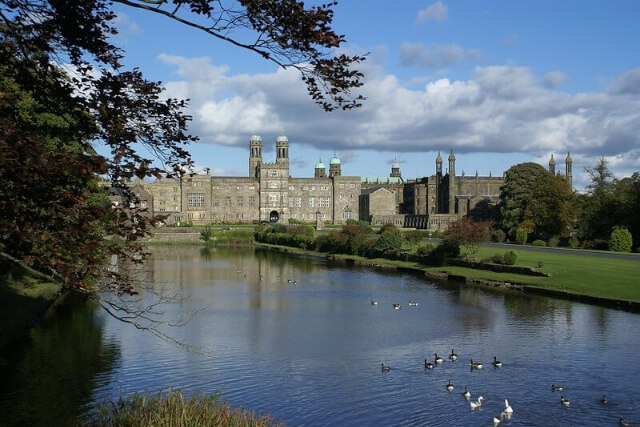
[500, 82]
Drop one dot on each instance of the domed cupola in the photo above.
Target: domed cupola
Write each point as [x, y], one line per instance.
[320, 171]
[334, 166]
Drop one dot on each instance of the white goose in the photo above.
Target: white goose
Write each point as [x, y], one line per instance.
[507, 409]
[476, 405]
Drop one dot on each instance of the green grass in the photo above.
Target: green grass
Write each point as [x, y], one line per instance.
[22, 300]
[173, 409]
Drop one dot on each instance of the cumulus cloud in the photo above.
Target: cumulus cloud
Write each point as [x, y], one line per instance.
[500, 109]
[626, 84]
[434, 12]
[442, 55]
[554, 79]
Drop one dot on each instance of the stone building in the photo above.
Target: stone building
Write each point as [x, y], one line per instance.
[268, 193]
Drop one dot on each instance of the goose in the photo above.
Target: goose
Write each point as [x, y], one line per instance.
[449, 387]
[466, 393]
[288, 280]
[385, 368]
[397, 306]
[428, 365]
[622, 422]
[604, 400]
[413, 303]
[295, 282]
[497, 421]
[557, 388]
[245, 276]
[437, 358]
[476, 405]
[496, 362]
[476, 365]
[453, 355]
[508, 410]
[565, 402]
[374, 302]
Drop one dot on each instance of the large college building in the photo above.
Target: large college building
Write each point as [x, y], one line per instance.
[268, 193]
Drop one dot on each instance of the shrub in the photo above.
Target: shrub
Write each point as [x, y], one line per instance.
[206, 234]
[499, 236]
[510, 257]
[539, 242]
[445, 250]
[414, 236]
[293, 221]
[390, 240]
[573, 242]
[620, 240]
[540, 264]
[323, 243]
[302, 230]
[553, 241]
[521, 236]
[387, 227]
[425, 249]
[279, 228]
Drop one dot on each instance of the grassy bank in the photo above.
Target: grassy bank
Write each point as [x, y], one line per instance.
[173, 409]
[22, 300]
[607, 278]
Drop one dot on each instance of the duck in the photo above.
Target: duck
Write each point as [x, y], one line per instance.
[557, 388]
[466, 393]
[385, 368]
[428, 365]
[604, 400]
[476, 405]
[564, 402]
[453, 355]
[496, 362]
[449, 386]
[622, 422]
[245, 276]
[508, 410]
[413, 303]
[374, 302]
[397, 306]
[475, 365]
[438, 359]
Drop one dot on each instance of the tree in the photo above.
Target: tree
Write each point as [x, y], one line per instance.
[620, 240]
[597, 207]
[516, 193]
[468, 233]
[552, 207]
[63, 88]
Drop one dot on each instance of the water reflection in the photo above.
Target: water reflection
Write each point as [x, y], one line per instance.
[51, 380]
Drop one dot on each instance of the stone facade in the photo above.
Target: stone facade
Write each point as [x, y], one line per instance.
[269, 193]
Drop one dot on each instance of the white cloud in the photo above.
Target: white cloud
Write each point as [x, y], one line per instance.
[500, 109]
[441, 55]
[434, 12]
[554, 79]
[627, 84]
[126, 27]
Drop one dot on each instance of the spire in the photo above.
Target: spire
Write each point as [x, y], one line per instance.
[452, 156]
[552, 165]
[439, 158]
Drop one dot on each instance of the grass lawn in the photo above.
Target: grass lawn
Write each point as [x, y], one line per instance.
[22, 299]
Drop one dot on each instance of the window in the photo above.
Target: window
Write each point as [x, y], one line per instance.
[305, 188]
[239, 201]
[252, 200]
[274, 184]
[352, 186]
[324, 202]
[239, 187]
[273, 173]
[190, 216]
[251, 187]
[291, 187]
[341, 185]
[313, 187]
[216, 201]
[273, 199]
[163, 194]
[227, 201]
[143, 205]
[298, 202]
[195, 200]
[202, 215]
[347, 213]
[312, 202]
[324, 188]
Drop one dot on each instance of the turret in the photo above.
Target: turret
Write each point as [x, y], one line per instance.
[395, 169]
[334, 166]
[255, 155]
[439, 165]
[320, 171]
[552, 165]
[452, 181]
[282, 150]
[568, 170]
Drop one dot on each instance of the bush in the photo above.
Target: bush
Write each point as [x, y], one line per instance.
[573, 242]
[414, 236]
[444, 251]
[387, 227]
[279, 228]
[510, 257]
[390, 240]
[293, 221]
[539, 242]
[553, 241]
[499, 236]
[521, 236]
[426, 249]
[620, 240]
[302, 230]
[206, 234]
[540, 264]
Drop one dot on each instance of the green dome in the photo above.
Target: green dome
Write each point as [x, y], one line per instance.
[334, 161]
[320, 165]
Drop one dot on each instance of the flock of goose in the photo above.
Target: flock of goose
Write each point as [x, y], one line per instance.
[507, 412]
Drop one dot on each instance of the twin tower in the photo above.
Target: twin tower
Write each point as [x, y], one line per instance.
[282, 158]
[568, 163]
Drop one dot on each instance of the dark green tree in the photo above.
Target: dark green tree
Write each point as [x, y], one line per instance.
[597, 207]
[552, 207]
[516, 193]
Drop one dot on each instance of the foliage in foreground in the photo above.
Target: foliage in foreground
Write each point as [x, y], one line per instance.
[176, 410]
[620, 240]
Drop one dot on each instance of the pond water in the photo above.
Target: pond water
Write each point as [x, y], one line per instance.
[309, 351]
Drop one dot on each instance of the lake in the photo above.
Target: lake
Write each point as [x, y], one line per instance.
[299, 338]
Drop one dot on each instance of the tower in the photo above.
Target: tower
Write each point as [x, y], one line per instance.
[395, 169]
[552, 165]
[334, 166]
[439, 165]
[320, 171]
[255, 155]
[452, 181]
[282, 150]
[568, 173]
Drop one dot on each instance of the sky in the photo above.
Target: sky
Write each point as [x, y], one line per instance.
[500, 82]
